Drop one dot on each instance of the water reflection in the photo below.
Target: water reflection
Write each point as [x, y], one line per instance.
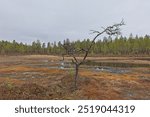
[112, 69]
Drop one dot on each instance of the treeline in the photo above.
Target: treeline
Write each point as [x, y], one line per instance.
[121, 46]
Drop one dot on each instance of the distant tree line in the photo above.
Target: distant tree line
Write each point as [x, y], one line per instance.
[121, 46]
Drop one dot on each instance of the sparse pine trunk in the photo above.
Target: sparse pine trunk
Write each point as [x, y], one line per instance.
[76, 74]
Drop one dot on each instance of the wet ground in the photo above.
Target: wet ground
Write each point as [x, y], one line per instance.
[48, 77]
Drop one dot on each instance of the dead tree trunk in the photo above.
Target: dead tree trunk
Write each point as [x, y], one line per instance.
[76, 75]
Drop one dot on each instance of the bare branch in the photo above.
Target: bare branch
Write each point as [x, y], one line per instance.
[94, 31]
[110, 30]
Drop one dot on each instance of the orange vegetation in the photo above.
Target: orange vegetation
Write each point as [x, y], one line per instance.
[30, 82]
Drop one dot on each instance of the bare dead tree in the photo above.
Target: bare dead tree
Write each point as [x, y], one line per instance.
[74, 52]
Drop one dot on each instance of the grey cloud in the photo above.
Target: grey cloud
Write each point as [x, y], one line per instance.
[53, 20]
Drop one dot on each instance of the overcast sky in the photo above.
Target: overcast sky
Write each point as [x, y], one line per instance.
[55, 20]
